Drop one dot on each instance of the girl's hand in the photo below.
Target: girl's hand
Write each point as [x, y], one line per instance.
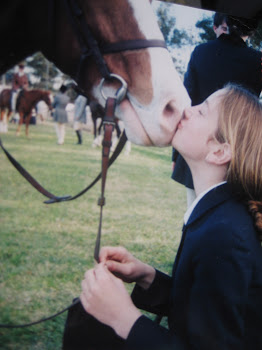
[104, 296]
[125, 266]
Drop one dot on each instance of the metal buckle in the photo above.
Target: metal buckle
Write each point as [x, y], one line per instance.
[105, 122]
[120, 93]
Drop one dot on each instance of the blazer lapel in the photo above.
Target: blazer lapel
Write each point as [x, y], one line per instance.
[212, 199]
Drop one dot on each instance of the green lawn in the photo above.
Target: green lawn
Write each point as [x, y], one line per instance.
[45, 249]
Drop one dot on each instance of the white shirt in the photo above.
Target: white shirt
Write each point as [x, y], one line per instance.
[200, 196]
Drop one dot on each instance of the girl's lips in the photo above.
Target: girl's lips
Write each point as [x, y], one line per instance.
[179, 125]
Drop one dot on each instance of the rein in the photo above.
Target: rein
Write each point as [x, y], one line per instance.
[52, 197]
[89, 47]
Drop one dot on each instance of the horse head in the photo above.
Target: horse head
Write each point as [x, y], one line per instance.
[156, 96]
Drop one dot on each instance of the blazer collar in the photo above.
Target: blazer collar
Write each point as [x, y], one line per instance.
[212, 199]
[233, 39]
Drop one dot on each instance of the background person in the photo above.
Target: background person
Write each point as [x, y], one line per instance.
[80, 116]
[19, 83]
[211, 66]
[213, 298]
[220, 25]
[60, 115]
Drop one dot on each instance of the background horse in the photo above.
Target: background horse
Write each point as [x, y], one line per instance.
[26, 101]
[5, 109]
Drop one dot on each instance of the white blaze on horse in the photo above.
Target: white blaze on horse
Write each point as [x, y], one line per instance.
[157, 104]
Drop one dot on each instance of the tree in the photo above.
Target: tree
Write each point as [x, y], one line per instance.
[206, 27]
[167, 22]
[43, 72]
[177, 40]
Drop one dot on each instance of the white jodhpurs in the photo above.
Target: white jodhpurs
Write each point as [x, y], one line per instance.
[60, 133]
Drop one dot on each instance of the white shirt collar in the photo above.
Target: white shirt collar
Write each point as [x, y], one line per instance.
[200, 196]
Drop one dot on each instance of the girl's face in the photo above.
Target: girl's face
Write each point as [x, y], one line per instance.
[197, 127]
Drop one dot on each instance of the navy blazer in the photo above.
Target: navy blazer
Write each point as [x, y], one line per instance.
[217, 62]
[214, 298]
[211, 66]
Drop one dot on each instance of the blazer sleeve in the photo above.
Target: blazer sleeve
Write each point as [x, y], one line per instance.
[156, 298]
[215, 316]
[147, 334]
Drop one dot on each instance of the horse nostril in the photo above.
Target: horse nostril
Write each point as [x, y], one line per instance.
[169, 110]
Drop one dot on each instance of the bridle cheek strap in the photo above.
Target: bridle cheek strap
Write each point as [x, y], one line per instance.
[109, 125]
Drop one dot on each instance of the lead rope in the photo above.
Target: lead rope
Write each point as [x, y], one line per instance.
[109, 125]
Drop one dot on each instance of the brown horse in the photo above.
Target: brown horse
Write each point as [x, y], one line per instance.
[5, 107]
[61, 29]
[156, 96]
[26, 101]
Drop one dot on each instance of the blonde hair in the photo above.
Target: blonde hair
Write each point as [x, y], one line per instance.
[240, 125]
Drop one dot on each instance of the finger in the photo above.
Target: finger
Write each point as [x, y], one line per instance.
[114, 266]
[107, 253]
[101, 272]
[104, 277]
[112, 253]
[118, 267]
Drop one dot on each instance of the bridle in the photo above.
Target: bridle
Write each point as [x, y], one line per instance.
[90, 48]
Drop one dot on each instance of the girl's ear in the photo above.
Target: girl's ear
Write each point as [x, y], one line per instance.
[219, 154]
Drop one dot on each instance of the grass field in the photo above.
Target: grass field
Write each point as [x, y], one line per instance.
[45, 249]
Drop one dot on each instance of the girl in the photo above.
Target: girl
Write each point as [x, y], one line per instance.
[213, 299]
